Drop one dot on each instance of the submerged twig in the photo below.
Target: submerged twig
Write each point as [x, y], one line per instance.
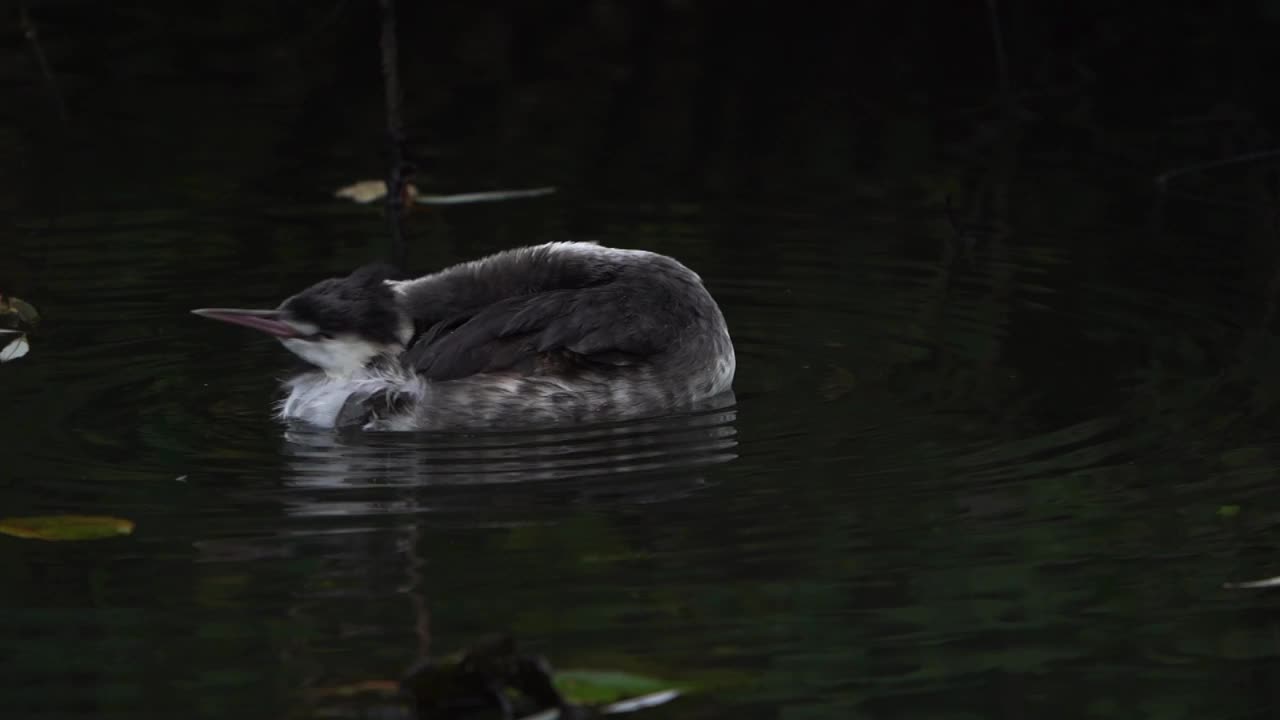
[1002, 62]
[395, 134]
[1253, 584]
[32, 35]
[50, 81]
[478, 197]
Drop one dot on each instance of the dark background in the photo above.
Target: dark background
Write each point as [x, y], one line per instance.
[223, 103]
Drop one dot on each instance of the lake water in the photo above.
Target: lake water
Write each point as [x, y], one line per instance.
[998, 470]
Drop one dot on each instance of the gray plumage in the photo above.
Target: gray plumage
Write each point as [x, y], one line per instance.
[550, 334]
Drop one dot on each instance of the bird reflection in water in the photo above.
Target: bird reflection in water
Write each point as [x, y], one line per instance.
[650, 460]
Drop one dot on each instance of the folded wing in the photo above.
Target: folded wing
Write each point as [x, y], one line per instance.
[599, 325]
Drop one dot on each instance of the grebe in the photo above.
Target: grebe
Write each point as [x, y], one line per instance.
[567, 332]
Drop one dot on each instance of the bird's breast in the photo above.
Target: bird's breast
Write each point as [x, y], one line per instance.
[323, 400]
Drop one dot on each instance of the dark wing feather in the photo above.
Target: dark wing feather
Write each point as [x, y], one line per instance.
[595, 324]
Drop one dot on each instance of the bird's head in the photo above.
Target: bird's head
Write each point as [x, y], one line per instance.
[338, 325]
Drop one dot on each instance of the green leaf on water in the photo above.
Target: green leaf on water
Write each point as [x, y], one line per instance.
[606, 692]
[1229, 511]
[597, 687]
[65, 527]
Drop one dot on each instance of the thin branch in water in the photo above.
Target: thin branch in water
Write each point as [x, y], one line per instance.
[956, 227]
[479, 197]
[1254, 584]
[50, 82]
[32, 35]
[1002, 62]
[395, 134]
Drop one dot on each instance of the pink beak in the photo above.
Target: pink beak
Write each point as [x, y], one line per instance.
[268, 321]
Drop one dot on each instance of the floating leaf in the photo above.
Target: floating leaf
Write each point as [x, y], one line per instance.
[65, 527]
[24, 310]
[607, 692]
[1229, 511]
[367, 191]
[15, 347]
[597, 687]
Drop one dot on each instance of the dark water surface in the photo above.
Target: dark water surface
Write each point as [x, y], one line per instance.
[1003, 473]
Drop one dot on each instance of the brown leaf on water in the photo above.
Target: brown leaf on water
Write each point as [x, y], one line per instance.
[65, 527]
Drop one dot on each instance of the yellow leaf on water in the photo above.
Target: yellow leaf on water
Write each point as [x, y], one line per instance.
[65, 527]
[367, 191]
